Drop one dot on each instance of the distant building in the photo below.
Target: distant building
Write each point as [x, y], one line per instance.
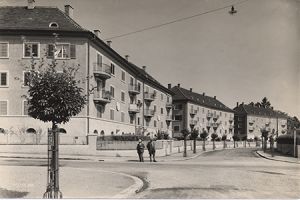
[249, 120]
[126, 99]
[199, 111]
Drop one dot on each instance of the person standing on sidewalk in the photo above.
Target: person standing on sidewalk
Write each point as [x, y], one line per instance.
[140, 150]
[151, 150]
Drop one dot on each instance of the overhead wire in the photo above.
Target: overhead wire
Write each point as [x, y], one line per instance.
[175, 21]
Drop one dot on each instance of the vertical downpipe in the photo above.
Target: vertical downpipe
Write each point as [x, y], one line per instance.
[143, 108]
[88, 88]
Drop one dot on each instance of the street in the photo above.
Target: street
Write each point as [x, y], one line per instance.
[233, 173]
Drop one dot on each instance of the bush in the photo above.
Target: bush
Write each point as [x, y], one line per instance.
[288, 139]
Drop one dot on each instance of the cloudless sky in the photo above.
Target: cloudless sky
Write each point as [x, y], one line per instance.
[238, 58]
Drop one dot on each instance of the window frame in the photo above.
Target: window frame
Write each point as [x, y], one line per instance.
[113, 72]
[7, 107]
[69, 56]
[122, 71]
[112, 95]
[38, 51]
[23, 78]
[5, 42]
[123, 92]
[7, 78]
[122, 116]
[111, 109]
[23, 107]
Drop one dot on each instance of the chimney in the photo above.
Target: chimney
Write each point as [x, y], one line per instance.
[169, 86]
[127, 58]
[31, 4]
[237, 104]
[144, 68]
[69, 10]
[97, 33]
[203, 94]
[191, 89]
[178, 85]
[215, 97]
[109, 43]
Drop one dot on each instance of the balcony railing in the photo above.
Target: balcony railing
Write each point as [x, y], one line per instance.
[169, 118]
[149, 96]
[169, 105]
[251, 128]
[193, 122]
[209, 115]
[149, 112]
[215, 117]
[134, 89]
[133, 108]
[215, 125]
[102, 71]
[209, 124]
[193, 112]
[102, 97]
[231, 119]
[230, 126]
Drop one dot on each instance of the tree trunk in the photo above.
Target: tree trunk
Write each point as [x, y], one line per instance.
[214, 146]
[233, 143]
[224, 145]
[203, 145]
[184, 147]
[195, 146]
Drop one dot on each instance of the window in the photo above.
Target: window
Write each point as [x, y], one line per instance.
[122, 96]
[176, 128]
[131, 119]
[123, 76]
[220, 114]
[99, 111]
[154, 108]
[4, 50]
[3, 107]
[138, 121]
[168, 99]
[178, 117]
[147, 123]
[203, 120]
[112, 68]
[161, 111]
[26, 77]
[122, 117]
[161, 124]
[25, 107]
[61, 51]
[112, 92]
[155, 123]
[112, 114]
[31, 50]
[162, 96]
[139, 86]
[3, 79]
[203, 110]
[225, 115]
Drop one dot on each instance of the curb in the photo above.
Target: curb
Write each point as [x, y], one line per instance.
[128, 192]
[259, 154]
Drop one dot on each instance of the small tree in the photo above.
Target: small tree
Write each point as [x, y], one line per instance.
[256, 141]
[264, 135]
[244, 138]
[203, 136]
[224, 138]
[194, 136]
[235, 138]
[185, 134]
[214, 136]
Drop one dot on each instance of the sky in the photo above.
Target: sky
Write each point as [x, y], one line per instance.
[238, 58]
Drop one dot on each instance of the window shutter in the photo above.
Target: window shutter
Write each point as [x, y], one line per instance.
[50, 51]
[3, 50]
[72, 51]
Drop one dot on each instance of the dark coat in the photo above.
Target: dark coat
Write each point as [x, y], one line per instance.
[140, 147]
[151, 147]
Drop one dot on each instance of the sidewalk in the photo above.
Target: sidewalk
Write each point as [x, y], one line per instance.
[277, 157]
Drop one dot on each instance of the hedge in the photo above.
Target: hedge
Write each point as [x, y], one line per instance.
[288, 139]
[123, 138]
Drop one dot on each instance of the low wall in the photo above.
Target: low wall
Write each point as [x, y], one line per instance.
[123, 145]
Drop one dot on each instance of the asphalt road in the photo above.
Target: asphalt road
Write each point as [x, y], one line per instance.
[236, 173]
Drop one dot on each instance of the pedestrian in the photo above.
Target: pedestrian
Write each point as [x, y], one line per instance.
[151, 150]
[140, 150]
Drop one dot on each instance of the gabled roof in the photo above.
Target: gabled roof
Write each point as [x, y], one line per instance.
[39, 18]
[23, 21]
[203, 100]
[258, 111]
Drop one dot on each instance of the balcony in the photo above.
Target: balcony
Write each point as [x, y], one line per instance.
[215, 117]
[282, 125]
[102, 71]
[215, 125]
[230, 127]
[149, 96]
[209, 124]
[283, 131]
[251, 128]
[209, 115]
[193, 112]
[251, 122]
[230, 120]
[268, 123]
[149, 113]
[133, 109]
[193, 122]
[169, 105]
[169, 118]
[102, 97]
[134, 89]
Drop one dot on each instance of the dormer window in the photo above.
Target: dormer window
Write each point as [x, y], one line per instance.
[53, 25]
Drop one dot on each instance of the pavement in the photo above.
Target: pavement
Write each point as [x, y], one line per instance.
[277, 156]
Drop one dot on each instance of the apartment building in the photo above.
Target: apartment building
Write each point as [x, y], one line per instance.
[199, 111]
[125, 99]
[249, 120]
